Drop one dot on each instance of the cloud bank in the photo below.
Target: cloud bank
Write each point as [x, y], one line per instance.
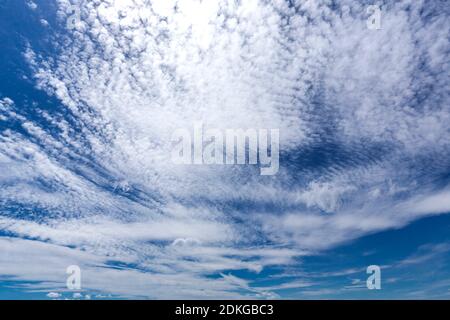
[364, 138]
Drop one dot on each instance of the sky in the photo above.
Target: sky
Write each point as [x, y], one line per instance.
[91, 93]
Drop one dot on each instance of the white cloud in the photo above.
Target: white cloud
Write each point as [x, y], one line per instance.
[44, 22]
[355, 107]
[53, 295]
[32, 5]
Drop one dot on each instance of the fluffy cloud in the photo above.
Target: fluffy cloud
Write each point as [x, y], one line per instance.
[363, 116]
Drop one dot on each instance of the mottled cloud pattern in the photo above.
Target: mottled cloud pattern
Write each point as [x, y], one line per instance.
[364, 139]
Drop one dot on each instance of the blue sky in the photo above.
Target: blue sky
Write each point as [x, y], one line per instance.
[91, 91]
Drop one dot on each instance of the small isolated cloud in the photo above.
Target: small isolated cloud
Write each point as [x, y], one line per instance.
[77, 295]
[53, 295]
[32, 5]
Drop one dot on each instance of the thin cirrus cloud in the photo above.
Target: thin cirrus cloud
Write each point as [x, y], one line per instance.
[363, 116]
